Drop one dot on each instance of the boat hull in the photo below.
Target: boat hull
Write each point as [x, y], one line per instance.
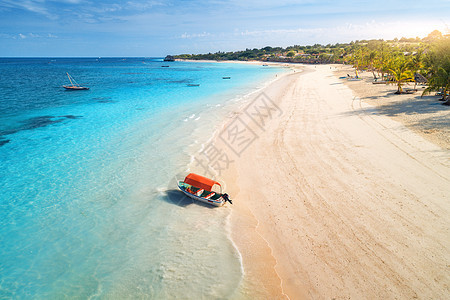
[218, 202]
[75, 88]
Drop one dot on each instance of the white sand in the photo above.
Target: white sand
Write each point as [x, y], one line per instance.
[335, 200]
[423, 115]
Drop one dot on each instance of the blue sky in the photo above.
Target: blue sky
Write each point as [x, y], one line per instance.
[159, 27]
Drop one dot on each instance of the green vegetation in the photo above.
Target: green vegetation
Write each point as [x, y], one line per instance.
[401, 72]
[437, 65]
[396, 61]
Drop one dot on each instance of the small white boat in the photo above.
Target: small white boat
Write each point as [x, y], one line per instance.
[200, 188]
[74, 85]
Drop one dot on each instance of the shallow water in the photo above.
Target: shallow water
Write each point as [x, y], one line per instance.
[88, 207]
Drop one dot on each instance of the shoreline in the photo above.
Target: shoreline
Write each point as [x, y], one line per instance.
[251, 62]
[297, 238]
[270, 285]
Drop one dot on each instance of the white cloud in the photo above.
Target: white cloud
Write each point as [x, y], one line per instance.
[30, 35]
[386, 30]
[195, 35]
[36, 6]
[344, 33]
[278, 31]
[139, 5]
[68, 1]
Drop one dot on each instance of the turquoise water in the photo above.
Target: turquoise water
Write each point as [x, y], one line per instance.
[87, 208]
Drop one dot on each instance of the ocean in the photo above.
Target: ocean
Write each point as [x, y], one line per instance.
[88, 206]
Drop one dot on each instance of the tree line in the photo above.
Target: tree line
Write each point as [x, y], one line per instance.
[398, 60]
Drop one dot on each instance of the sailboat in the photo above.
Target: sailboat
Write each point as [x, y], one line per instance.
[74, 85]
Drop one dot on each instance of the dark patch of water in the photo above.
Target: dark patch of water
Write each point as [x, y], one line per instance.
[34, 123]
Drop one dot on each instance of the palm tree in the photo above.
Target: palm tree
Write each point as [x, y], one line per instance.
[383, 58]
[440, 81]
[401, 72]
[437, 62]
[371, 60]
[358, 58]
[416, 64]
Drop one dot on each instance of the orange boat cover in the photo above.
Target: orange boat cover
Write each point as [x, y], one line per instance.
[200, 181]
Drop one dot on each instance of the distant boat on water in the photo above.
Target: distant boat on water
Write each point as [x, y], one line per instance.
[193, 84]
[226, 77]
[74, 85]
[165, 66]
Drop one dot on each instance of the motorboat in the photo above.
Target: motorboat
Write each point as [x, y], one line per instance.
[200, 188]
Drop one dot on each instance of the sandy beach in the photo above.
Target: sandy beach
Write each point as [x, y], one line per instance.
[423, 115]
[333, 196]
